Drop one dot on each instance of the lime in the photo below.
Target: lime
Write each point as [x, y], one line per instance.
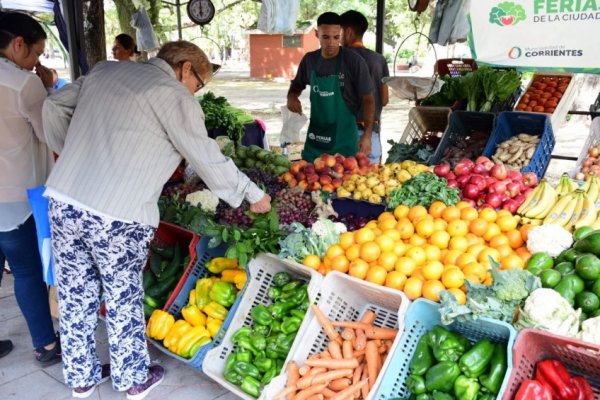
[587, 266]
[574, 282]
[596, 288]
[595, 314]
[565, 268]
[550, 278]
[570, 255]
[582, 232]
[539, 262]
[587, 301]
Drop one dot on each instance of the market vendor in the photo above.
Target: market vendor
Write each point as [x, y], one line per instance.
[340, 85]
[121, 131]
[354, 25]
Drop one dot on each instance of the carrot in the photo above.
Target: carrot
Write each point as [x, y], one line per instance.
[326, 324]
[325, 355]
[382, 349]
[365, 389]
[347, 349]
[348, 334]
[304, 370]
[359, 353]
[357, 372]
[381, 333]
[288, 391]
[325, 377]
[316, 397]
[306, 393]
[339, 384]
[316, 371]
[368, 317]
[334, 364]
[389, 343]
[361, 340]
[344, 394]
[335, 350]
[314, 356]
[328, 393]
[372, 357]
[293, 376]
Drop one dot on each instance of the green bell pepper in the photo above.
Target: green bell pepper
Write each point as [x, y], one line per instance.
[466, 388]
[284, 344]
[245, 369]
[223, 293]
[423, 358]
[275, 326]
[446, 345]
[274, 293]
[304, 305]
[233, 377]
[281, 279]
[262, 330]
[486, 396]
[416, 384]
[259, 342]
[280, 309]
[442, 376]
[271, 350]
[279, 364]
[268, 376]
[424, 396]
[240, 333]
[293, 285]
[498, 364]
[475, 361]
[246, 344]
[261, 315]
[230, 361]
[290, 325]
[245, 356]
[441, 396]
[264, 364]
[298, 313]
[251, 386]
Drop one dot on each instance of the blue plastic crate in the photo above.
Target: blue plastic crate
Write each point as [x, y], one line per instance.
[463, 124]
[360, 208]
[421, 317]
[511, 123]
[198, 271]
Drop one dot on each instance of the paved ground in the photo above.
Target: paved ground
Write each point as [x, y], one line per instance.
[22, 379]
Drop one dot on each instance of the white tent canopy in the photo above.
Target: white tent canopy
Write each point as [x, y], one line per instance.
[27, 5]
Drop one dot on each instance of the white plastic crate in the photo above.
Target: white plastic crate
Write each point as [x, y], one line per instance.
[345, 298]
[593, 139]
[262, 270]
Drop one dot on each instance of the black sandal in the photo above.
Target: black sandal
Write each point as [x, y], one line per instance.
[49, 357]
[6, 347]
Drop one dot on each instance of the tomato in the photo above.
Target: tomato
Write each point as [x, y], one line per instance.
[532, 104]
[550, 104]
[549, 110]
[538, 109]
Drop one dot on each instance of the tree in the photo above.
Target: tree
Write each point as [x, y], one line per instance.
[93, 31]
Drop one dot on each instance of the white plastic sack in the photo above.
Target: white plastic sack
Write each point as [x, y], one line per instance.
[292, 125]
[413, 87]
[145, 36]
[278, 16]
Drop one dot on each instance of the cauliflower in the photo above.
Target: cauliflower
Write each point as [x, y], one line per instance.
[547, 310]
[553, 239]
[590, 331]
[205, 199]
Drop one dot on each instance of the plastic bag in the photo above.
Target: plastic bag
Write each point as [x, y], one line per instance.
[145, 36]
[39, 208]
[278, 16]
[413, 87]
[292, 125]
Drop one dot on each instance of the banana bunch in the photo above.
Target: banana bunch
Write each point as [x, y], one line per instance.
[538, 204]
[573, 209]
[565, 185]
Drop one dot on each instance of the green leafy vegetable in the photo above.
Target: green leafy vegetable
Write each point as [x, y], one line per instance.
[218, 113]
[499, 86]
[423, 189]
[413, 152]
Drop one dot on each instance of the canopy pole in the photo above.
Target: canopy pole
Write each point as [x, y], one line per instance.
[379, 26]
[71, 17]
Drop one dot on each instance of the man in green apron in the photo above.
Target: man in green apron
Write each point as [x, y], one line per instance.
[340, 86]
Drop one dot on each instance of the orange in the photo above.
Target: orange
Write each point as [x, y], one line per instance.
[371, 225]
[400, 248]
[478, 227]
[353, 252]
[312, 261]
[364, 235]
[440, 239]
[417, 240]
[340, 263]
[405, 265]
[436, 208]
[423, 218]
[395, 280]
[327, 262]
[512, 261]
[451, 213]
[523, 253]
[504, 250]
[334, 251]
[488, 214]
[387, 260]
[475, 269]
[473, 278]
[484, 256]
[452, 256]
[432, 253]
[507, 223]
[376, 274]
[498, 241]
[525, 231]
[393, 233]
[432, 270]
[346, 240]
[488, 280]
[425, 228]
[458, 243]
[457, 227]
[416, 212]
[385, 243]
[492, 230]
[514, 238]
[413, 288]
[462, 204]
[386, 224]
[473, 239]
[502, 213]
[385, 215]
[417, 254]
[476, 249]
[465, 258]
[358, 269]
[401, 211]
[432, 289]
[440, 224]
[468, 214]
[369, 251]
[418, 273]
[460, 296]
[406, 228]
[453, 278]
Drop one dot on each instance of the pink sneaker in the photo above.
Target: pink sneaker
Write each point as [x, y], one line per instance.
[156, 375]
[86, 391]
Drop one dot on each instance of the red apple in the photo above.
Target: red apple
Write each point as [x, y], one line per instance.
[312, 178]
[490, 180]
[464, 167]
[530, 179]
[339, 158]
[350, 163]
[494, 200]
[450, 175]
[452, 183]
[527, 192]
[511, 206]
[442, 170]
[478, 181]
[520, 198]
[462, 180]
[499, 172]
[499, 187]
[512, 174]
[480, 169]
[513, 189]
[486, 162]
[325, 180]
[470, 191]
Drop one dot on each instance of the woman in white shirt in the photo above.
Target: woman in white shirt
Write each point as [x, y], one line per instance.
[124, 48]
[25, 162]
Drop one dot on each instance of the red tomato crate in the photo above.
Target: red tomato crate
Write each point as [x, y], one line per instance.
[532, 346]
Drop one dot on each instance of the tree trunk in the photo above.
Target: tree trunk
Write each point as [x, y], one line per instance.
[124, 10]
[93, 28]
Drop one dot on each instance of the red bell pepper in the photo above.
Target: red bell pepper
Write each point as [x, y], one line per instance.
[533, 390]
[553, 374]
[585, 389]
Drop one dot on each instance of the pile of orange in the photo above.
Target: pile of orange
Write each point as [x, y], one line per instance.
[424, 251]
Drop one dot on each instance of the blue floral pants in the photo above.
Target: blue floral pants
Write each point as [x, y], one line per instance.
[92, 254]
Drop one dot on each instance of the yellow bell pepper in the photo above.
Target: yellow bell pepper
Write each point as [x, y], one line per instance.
[234, 276]
[240, 281]
[213, 327]
[172, 338]
[192, 299]
[159, 324]
[192, 314]
[203, 286]
[220, 264]
[215, 310]
[189, 338]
